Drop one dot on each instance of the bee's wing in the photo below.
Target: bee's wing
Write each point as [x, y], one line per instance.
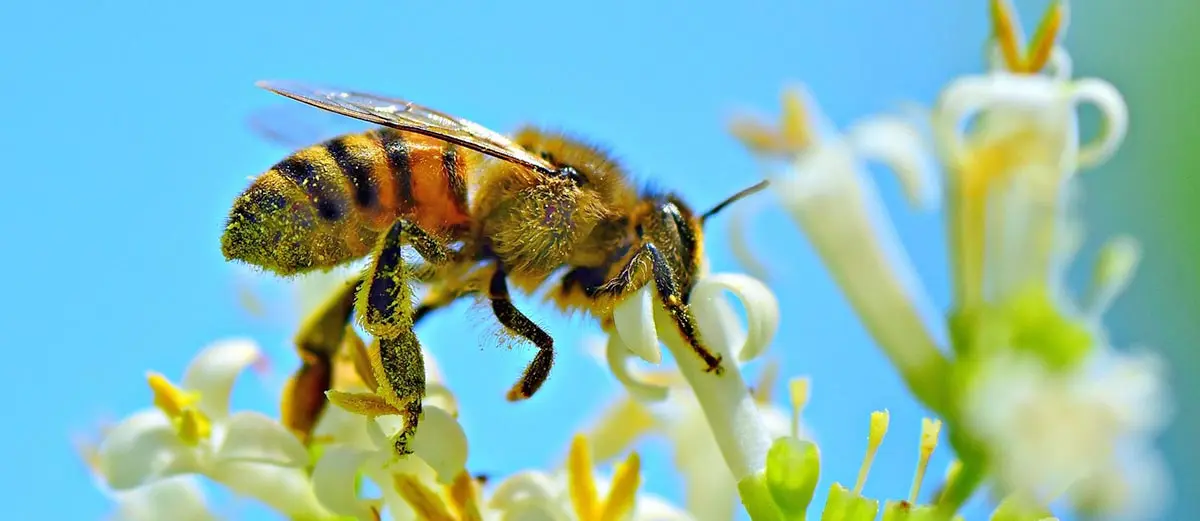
[406, 115]
[293, 126]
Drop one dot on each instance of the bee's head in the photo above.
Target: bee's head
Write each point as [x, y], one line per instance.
[541, 217]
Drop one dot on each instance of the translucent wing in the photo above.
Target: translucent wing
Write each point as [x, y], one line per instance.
[406, 115]
[294, 126]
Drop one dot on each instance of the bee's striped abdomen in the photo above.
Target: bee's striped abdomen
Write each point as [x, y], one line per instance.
[429, 178]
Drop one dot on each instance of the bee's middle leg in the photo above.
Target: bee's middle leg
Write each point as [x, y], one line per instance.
[512, 318]
[385, 309]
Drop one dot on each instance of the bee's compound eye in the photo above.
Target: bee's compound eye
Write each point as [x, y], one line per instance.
[572, 174]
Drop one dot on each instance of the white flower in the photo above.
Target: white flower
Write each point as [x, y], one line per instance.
[711, 492]
[576, 494]
[360, 431]
[824, 187]
[192, 432]
[1085, 432]
[731, 412]
[175, 497]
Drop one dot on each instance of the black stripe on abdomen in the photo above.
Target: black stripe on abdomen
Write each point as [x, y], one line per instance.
[322, 189]
[454, 178]
[400, 163]
[355, 162]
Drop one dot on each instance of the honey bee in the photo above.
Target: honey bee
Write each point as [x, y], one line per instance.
[482, 210]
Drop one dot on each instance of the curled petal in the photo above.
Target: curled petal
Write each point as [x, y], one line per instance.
[897, 144]
[213, 371]
[762, 310]
[334, 478]
[142, 448]
[439, 395]
[634, 318]
[178, 497]
[287, 490]
[254, 437]
[1115, 119]
[441, 443]
[618, 357]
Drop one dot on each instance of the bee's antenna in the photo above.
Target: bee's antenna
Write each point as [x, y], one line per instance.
[733, 198]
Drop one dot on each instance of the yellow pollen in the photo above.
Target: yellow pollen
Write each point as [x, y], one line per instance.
[879, 427]
[930, 429]
[169, 399]
[798, 392]
[426, 503]
[580, 482]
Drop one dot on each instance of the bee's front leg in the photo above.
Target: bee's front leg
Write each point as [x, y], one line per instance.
[670, 295]
[384, 307]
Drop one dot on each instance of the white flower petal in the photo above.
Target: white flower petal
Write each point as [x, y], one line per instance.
[343, 427]
[762, 310]
[441, 443]
[618, 357]
[142, 448]
[533, 510]
[287, 490]
[634, 319]
[841, 214]
[254, 437]
[215, 369]
[1115, 120]
[653, 508]
[333, 480]
[730, 410]
[178, 498]
[897, 144]
[528, 485]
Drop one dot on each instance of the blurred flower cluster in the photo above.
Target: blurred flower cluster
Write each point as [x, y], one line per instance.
[1034, 402]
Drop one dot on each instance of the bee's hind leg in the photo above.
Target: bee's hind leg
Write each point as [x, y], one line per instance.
[385, 309]
[671, 296]
[512, 318]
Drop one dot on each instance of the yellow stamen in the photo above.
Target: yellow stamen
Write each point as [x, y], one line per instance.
[580, 482]
[766, 383]
[425, 502]
[952, 471]
[798, 392]
[169, 399]
[357, 350]
[755, 135]
[626, 480]
[194, 426]
[619, 427]
[794, 128]
[366, 404]
[1007, 34]
[1040, 48]
[930, 429]
[464, 497]
[879, 427]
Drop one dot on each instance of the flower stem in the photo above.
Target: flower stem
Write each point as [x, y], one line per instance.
[961, 487]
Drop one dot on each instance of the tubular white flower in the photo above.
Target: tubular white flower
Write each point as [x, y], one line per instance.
[192, 432]
[577, 493]
[839, 210]
[731, 411]
[1085, 432]
[179, 498]
[1006, 174]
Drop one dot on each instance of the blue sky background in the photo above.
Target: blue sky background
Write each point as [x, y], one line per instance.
[125, 142]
